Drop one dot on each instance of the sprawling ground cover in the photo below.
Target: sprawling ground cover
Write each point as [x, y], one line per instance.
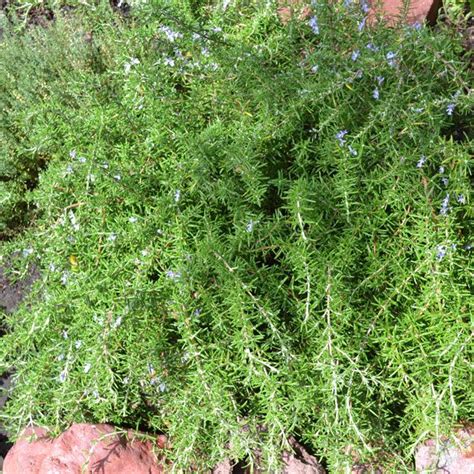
[245, 231]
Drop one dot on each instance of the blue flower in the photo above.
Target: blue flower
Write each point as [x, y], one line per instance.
[313, 23]
[376, 94]
[177, 195]
[364, 6]
[63, 376]
[391, 58]
[250, 226]
[340, 137]
[421, 162]
[445, 206]
[461, 199]
[170, 34]
[361, 24]
[450, 109]
[27, 252]
[372, 47]
[173, 275]
[380, 80]
[440, 252]
[352, 151]
[445, 181]
[355, 55]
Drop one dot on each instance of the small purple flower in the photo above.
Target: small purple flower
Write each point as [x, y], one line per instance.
[461, 199]
[313, 24]
[361, 24]
[421, 162]
[445, 181]
[72, 154]
[169, 62]
[376, 94]
[380, 80]
[315, 69]
[250, 226]
[173, 275]
[352, 151]
[441, 170]
[372, 47]
[364, 6]
[27, 252]
[112, 237]
[78, 344]
[355, 55]
[170, 34]
[450, 109]
[445, 206]
[63, 376]
[440, 252]
[391, 58]
[417, 26]
[64, 278]
[177, 195]
[117, 322]
[69, 169]
[87, 367]
[197, 312]
[340, 137]
[82, 159]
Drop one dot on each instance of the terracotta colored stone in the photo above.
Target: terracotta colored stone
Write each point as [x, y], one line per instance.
[394, 11]
[289, 8]
[416, 11]
[455, 455]
[224, 467]
[81, 449]
[28, 453]
[300, 461]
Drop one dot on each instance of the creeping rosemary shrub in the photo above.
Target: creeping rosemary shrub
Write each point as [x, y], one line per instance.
[245, 230]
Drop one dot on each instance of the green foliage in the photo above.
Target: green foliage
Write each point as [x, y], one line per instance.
[246, 231]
